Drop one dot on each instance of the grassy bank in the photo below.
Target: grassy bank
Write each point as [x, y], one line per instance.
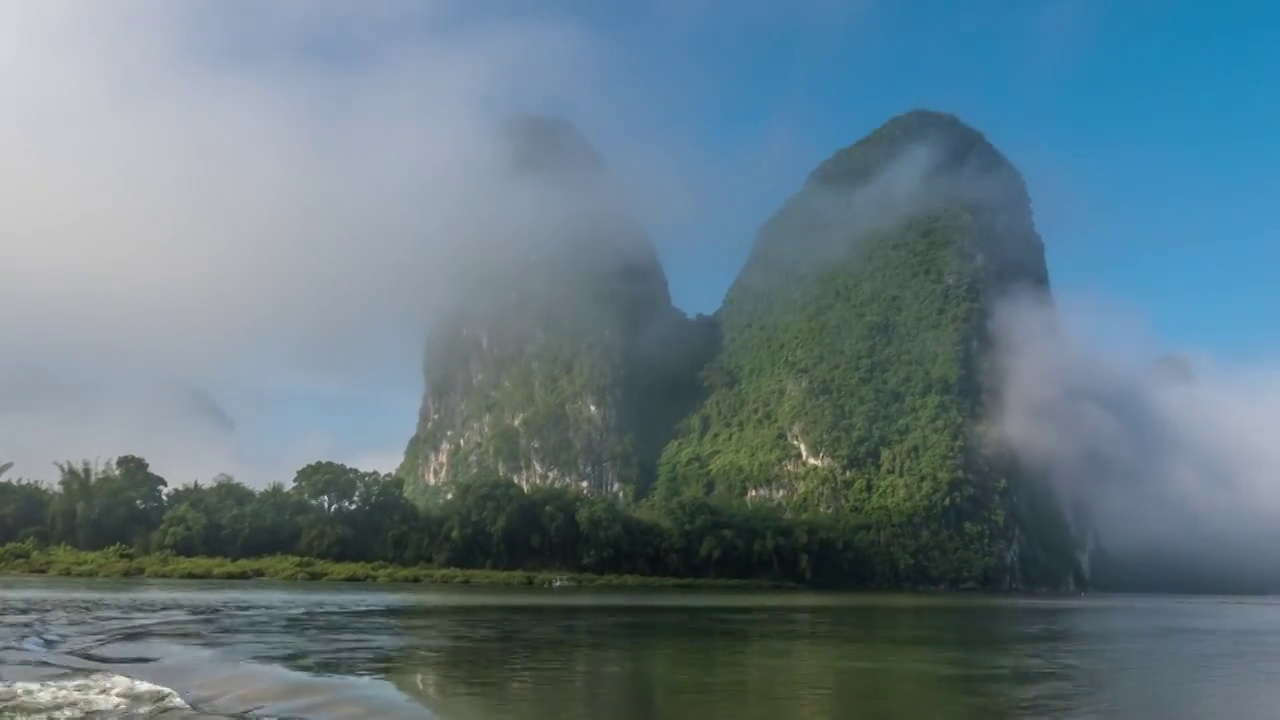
[24, 559]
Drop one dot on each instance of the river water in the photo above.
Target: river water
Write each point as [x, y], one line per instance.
[189, 649]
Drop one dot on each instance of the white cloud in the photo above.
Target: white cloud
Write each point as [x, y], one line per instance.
[1181, 463]
[225, 193]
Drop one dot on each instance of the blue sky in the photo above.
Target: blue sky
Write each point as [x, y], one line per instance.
[1146, 132]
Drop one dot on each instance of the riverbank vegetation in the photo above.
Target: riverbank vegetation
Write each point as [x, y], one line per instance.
[119, 561]
[336, 522]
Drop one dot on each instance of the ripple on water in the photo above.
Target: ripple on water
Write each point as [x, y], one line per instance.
[138, 652]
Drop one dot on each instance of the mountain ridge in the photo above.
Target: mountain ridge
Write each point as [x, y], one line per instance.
[848, 371]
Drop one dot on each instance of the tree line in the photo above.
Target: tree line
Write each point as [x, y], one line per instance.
[334, 512]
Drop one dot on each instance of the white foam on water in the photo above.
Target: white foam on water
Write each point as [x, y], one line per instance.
[92, 696]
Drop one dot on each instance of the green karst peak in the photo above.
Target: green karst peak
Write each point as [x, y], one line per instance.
[848, 373]
[566, 364]
[855, 372]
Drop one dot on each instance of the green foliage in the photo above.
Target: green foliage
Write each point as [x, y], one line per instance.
[855, 374]
[341, 523]
[24, 508]
[32, 559]
[852, 394]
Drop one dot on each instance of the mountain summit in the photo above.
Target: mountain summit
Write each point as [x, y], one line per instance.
[848, 374]
[856, 370]
[563, 362]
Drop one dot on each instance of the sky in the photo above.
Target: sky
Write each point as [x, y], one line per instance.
[262, 200]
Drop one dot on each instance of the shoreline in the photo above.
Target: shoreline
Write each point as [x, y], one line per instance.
[27, 560]
[18, 560]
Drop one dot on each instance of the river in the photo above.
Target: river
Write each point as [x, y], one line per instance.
[189, 649]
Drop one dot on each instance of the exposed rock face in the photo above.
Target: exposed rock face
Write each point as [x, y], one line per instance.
[563, 361]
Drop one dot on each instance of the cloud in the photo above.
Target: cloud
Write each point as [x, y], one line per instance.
[207, 204]
[1170, 458]
[220, 195]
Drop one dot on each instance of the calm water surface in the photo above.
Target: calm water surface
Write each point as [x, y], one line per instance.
[113, 649]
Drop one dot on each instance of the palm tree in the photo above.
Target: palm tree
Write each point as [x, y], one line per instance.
[72, 511]
[5, 467]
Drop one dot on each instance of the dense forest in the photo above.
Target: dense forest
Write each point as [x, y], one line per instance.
[332, 515]
[334, 512]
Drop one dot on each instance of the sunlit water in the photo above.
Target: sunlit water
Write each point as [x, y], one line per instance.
[116, 649]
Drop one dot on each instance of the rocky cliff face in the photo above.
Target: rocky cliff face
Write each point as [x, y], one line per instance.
[856, 368]
[562, 361]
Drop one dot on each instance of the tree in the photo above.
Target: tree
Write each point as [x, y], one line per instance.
[72, 512]
[24, 509]
[329, 486]
[183, 531]
[487, 523]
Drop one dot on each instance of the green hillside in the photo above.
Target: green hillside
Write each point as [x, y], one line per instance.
[855, 369]
[846, 376]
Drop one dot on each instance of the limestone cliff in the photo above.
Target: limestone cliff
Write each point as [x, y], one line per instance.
[563, 360]
[851, 366]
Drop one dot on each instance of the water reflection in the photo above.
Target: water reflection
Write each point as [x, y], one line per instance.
[745, 662]
[331, 652]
